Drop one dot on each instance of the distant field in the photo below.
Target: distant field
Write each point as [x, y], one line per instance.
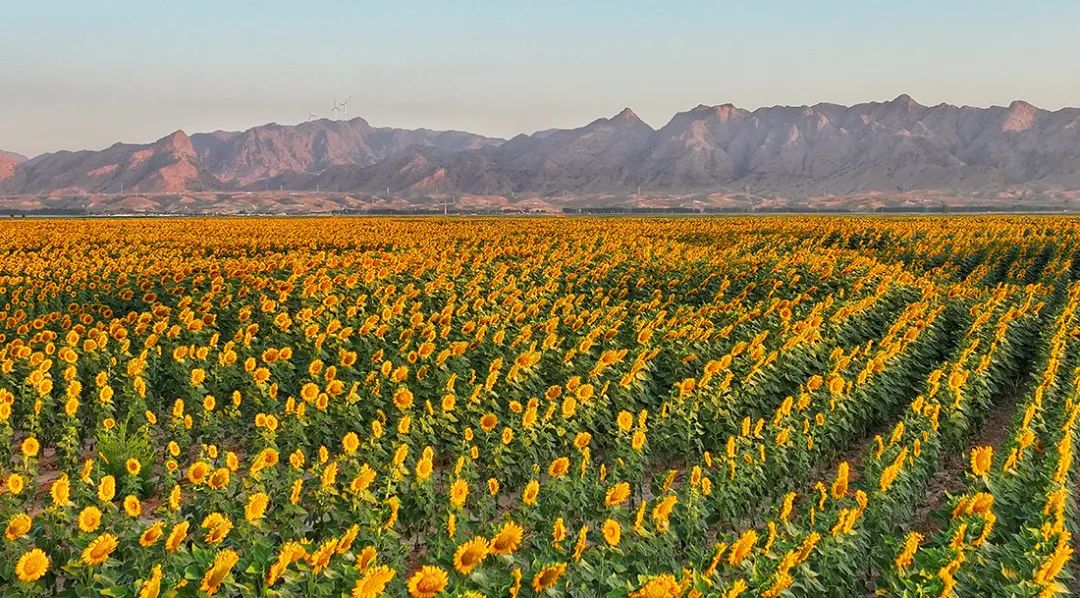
[645, 407]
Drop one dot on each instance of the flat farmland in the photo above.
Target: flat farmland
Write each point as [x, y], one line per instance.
[644, 407]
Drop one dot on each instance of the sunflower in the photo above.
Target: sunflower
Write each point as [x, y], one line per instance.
[548, 577]
[982, 457]
[30, 447]
[151, 588]
[366, 557]
[218, 571]
[32, 565]
[663, 586]
[99, 549]
[459, 491]
[559, 467]
[319, 559]
[507, 539]
[219, 479]
[217, 527]
[176, 536]
[350, 442]
[403, 398]
[151, 535]
[15, 484]
[617, 494]
[363, 479]
[132, 506]
[60, 491]
[256, 506]
[196, 474]
[428, 582]
[488, 422]
[18, 526]
[532, 489]
[582, 440]
[89, 519]
[133, 466]
[373, 582]
[469, 555]
[742, 547]
[612, 532]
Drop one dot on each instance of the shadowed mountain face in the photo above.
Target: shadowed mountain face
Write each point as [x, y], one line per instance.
[887, 147]
[825, 149]
[243, 158]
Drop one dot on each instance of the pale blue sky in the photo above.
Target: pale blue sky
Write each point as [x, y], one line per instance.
[83, 74]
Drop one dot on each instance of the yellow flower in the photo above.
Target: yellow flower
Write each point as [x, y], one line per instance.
[547, 577]
[152, 534]
[218, 571]
[217, 527]
[742, 547]
[151, 588]
[736, 589]
[219, 479]
[60, 491]
[840, 484]
[175, 497]
[106, 488]
[373, 582]
[32, 565]
[30, 447]
[18, 526]
[532, 489]
[982, 457]
[133, 466]
[559, 467]
[469, 555]
[15, 484]
[428, 582]
[256, 506]
[197, 472]
[612, 532]
[459, 491]
[663, 586]
[507, 539]
[582, 440]
[89, 519]
[176, 536]
[132, 506]
[617, 494]
[98, 551]
[403, 398]
[350, 442]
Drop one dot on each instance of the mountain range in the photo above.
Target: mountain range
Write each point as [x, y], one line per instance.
[893, 147]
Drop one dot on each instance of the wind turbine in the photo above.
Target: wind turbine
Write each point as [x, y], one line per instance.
[345, 109]
[334, 109]
[311, 115]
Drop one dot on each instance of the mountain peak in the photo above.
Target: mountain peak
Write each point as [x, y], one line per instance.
[177, 143]
[1019, 117]
[626, 114]
[906, 101]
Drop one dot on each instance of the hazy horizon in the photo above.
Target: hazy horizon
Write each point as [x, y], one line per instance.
[84, 76]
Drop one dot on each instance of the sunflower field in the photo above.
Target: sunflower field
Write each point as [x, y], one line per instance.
[623, 407]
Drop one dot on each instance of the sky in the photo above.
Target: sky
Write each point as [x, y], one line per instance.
[83, 75]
